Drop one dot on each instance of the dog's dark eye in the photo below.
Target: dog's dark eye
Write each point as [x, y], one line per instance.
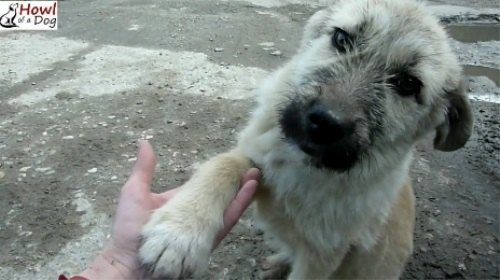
[408, 85]
[341, 40]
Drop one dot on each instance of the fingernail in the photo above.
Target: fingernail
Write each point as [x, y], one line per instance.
[141, 142]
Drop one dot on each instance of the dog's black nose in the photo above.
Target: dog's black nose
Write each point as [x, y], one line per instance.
[325, 127]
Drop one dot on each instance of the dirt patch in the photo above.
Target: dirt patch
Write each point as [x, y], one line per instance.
[50, 157]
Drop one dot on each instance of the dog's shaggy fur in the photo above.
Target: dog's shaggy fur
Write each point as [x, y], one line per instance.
[333, 133]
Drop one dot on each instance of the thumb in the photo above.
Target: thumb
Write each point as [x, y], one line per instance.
[144, 167]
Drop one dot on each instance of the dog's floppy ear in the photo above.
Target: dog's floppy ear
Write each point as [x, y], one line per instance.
[457, 127]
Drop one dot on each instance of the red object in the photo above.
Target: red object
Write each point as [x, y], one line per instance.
[62, 277]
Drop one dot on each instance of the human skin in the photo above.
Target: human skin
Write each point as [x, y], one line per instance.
[118, 259]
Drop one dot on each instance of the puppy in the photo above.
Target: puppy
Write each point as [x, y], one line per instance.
[333, 133]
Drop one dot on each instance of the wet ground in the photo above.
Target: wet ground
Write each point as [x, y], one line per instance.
[73, 104]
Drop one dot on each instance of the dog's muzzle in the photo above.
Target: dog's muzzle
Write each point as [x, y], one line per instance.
[321, 133]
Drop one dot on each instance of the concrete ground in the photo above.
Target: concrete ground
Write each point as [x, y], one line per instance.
[75, 101]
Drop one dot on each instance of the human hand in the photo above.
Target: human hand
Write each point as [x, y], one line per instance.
[137, 202]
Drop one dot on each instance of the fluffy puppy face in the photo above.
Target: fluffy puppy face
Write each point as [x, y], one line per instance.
[373, 75]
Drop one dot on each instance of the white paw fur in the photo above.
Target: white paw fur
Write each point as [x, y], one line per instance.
[174, 248]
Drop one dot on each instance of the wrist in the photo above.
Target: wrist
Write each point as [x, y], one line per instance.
[100, 268]
[111, 264]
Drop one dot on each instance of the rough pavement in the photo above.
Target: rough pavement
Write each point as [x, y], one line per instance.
[73, 104]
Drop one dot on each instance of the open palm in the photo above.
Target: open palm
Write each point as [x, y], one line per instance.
[137, 202]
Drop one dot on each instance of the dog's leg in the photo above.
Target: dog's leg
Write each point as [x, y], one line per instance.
[308, 265]
[179, 236]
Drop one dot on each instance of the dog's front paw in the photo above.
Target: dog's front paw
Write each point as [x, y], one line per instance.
[173, 249]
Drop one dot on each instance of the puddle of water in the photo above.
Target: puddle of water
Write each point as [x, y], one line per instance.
[472, 33]
[476, 70]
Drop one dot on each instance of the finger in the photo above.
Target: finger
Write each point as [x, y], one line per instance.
[144, 167]
[252, 174]
[236, 209]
